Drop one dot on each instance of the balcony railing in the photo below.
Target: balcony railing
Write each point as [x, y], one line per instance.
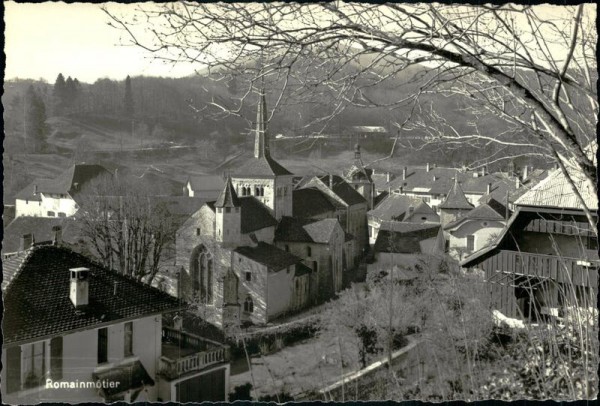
[184, 352]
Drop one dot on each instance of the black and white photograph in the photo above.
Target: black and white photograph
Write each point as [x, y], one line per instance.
[299, 201]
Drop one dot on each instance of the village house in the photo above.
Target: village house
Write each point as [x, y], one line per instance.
[404, 244]
[455, 205]
[476, 229]
[546, 258]
[399, 208]
[57, 197]
[85, 333]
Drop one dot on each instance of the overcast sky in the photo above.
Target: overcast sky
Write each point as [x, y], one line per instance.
[45, 39]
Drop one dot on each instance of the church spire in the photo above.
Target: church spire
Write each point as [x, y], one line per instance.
[228, 197]
[261, 140]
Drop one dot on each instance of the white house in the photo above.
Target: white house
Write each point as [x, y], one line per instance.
[77, 332]
[56, 197]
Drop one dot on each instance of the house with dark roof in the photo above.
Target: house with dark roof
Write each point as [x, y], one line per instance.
[204, 186]
[77, 332]
[545, 260]
[455, 205]
[57, 197]
[322, 245]
[399, 208]
[405, 243]
[476, 229]
[351, 207]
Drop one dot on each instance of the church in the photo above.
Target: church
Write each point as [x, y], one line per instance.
[262, 250]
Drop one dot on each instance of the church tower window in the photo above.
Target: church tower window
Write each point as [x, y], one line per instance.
[202, 274]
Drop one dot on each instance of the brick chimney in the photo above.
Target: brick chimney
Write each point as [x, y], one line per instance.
[79, 292]
[387, 177]
[25, 242]
[525, 172]
[404, 170]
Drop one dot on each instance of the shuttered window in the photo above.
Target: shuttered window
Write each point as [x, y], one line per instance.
[102, 345]
[56, 358]
[470, 242]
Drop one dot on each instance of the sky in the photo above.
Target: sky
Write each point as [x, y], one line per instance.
[45, 39]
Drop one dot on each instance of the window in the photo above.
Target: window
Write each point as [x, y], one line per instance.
[56, 356]
[287, 248]
[227, 209]
[128, 333]
[34, 364]
[470, 242]
[198, 231]
[202, 273]
[256, 191]
[315, 266]
[248, 305]
[51, 214]
[248, 276]
[262, 191]
[102, 345]
[61, 214]
[308, 251]
[13, 369]
[219, 210]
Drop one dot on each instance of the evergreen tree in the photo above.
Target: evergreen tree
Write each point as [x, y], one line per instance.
[59, 94]
[35, 120]
[128, 101]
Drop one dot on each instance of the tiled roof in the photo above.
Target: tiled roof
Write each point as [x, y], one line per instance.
[206, 182]
[264, 166]
[310, 202]
[342, 189]
[255, 215]
[419, 179]
[228, 197]
[396, 207]
[273, 258]
[11, 267]
[491, 210]
[37, 304]
[305, 230]
[404, 238]
[456, 199]
[381, 180]
[41, 228]
[70, 181]
[555, 191]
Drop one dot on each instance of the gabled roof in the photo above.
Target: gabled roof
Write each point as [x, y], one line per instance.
[555, 192]
[396, 207]
[404, 238]
[46, 310]
[491, 210]
[206, 182]
[41, 228]
[264, 166]
[70, 181]
[419, 179]
[255, 215]
[311, 202]
[456, 199]
[305, 230]
[273, 258]
[11, 267]
[228, 197]
[341, 189]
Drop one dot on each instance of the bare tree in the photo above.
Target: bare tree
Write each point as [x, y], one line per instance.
[125, 228]
[532, 66]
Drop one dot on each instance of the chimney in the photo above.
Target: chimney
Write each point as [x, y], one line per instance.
[115, 286]
[330, 181]
[517, 183]
[56, 235]
[25, 242]
[489, 188]
[389, 190]
[404, 170]
[484, 170]
[428, 167]
[434, 178]
[411, 210]
[525, 172]
[79, 286]
[35, 190]
[387, 177]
